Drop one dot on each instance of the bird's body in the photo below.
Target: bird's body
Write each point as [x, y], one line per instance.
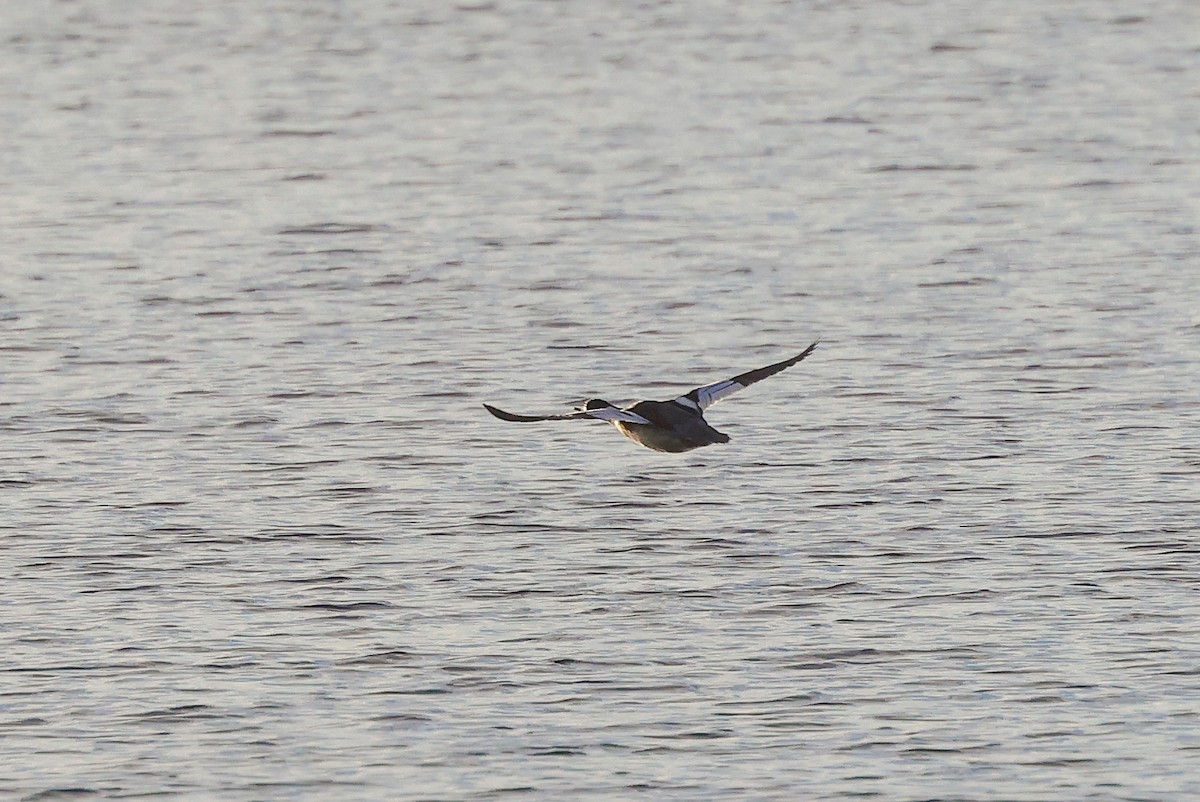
[673, 426]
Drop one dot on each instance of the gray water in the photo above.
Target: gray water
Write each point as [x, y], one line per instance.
[262, 262]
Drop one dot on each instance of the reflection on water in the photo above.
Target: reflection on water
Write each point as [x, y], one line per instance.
[263, 265]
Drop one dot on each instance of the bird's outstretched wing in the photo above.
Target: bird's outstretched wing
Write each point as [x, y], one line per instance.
[607, 413]
[509, 416]
[704, 397]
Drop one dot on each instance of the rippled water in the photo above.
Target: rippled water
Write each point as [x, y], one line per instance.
[262, 263]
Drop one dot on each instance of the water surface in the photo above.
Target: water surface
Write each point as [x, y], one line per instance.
[262, 264]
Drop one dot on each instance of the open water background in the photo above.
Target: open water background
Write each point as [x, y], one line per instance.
[261, 262]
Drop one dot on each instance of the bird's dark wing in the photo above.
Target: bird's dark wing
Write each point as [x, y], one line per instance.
[606, 413]
[513, 418]
[704, 397]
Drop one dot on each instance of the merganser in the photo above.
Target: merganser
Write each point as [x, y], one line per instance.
[674, 426]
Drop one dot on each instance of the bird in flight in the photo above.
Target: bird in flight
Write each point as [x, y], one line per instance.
[676, 425]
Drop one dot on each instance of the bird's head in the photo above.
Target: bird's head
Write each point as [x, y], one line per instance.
[594, 403]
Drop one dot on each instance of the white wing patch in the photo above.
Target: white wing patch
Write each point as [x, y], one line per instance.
[713, 393]
[710, 394]
[685, 401]
[612, 414]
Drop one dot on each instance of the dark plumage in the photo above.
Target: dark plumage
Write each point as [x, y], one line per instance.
[676, 427]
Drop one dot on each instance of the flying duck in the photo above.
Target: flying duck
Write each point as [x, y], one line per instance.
[676, 425]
